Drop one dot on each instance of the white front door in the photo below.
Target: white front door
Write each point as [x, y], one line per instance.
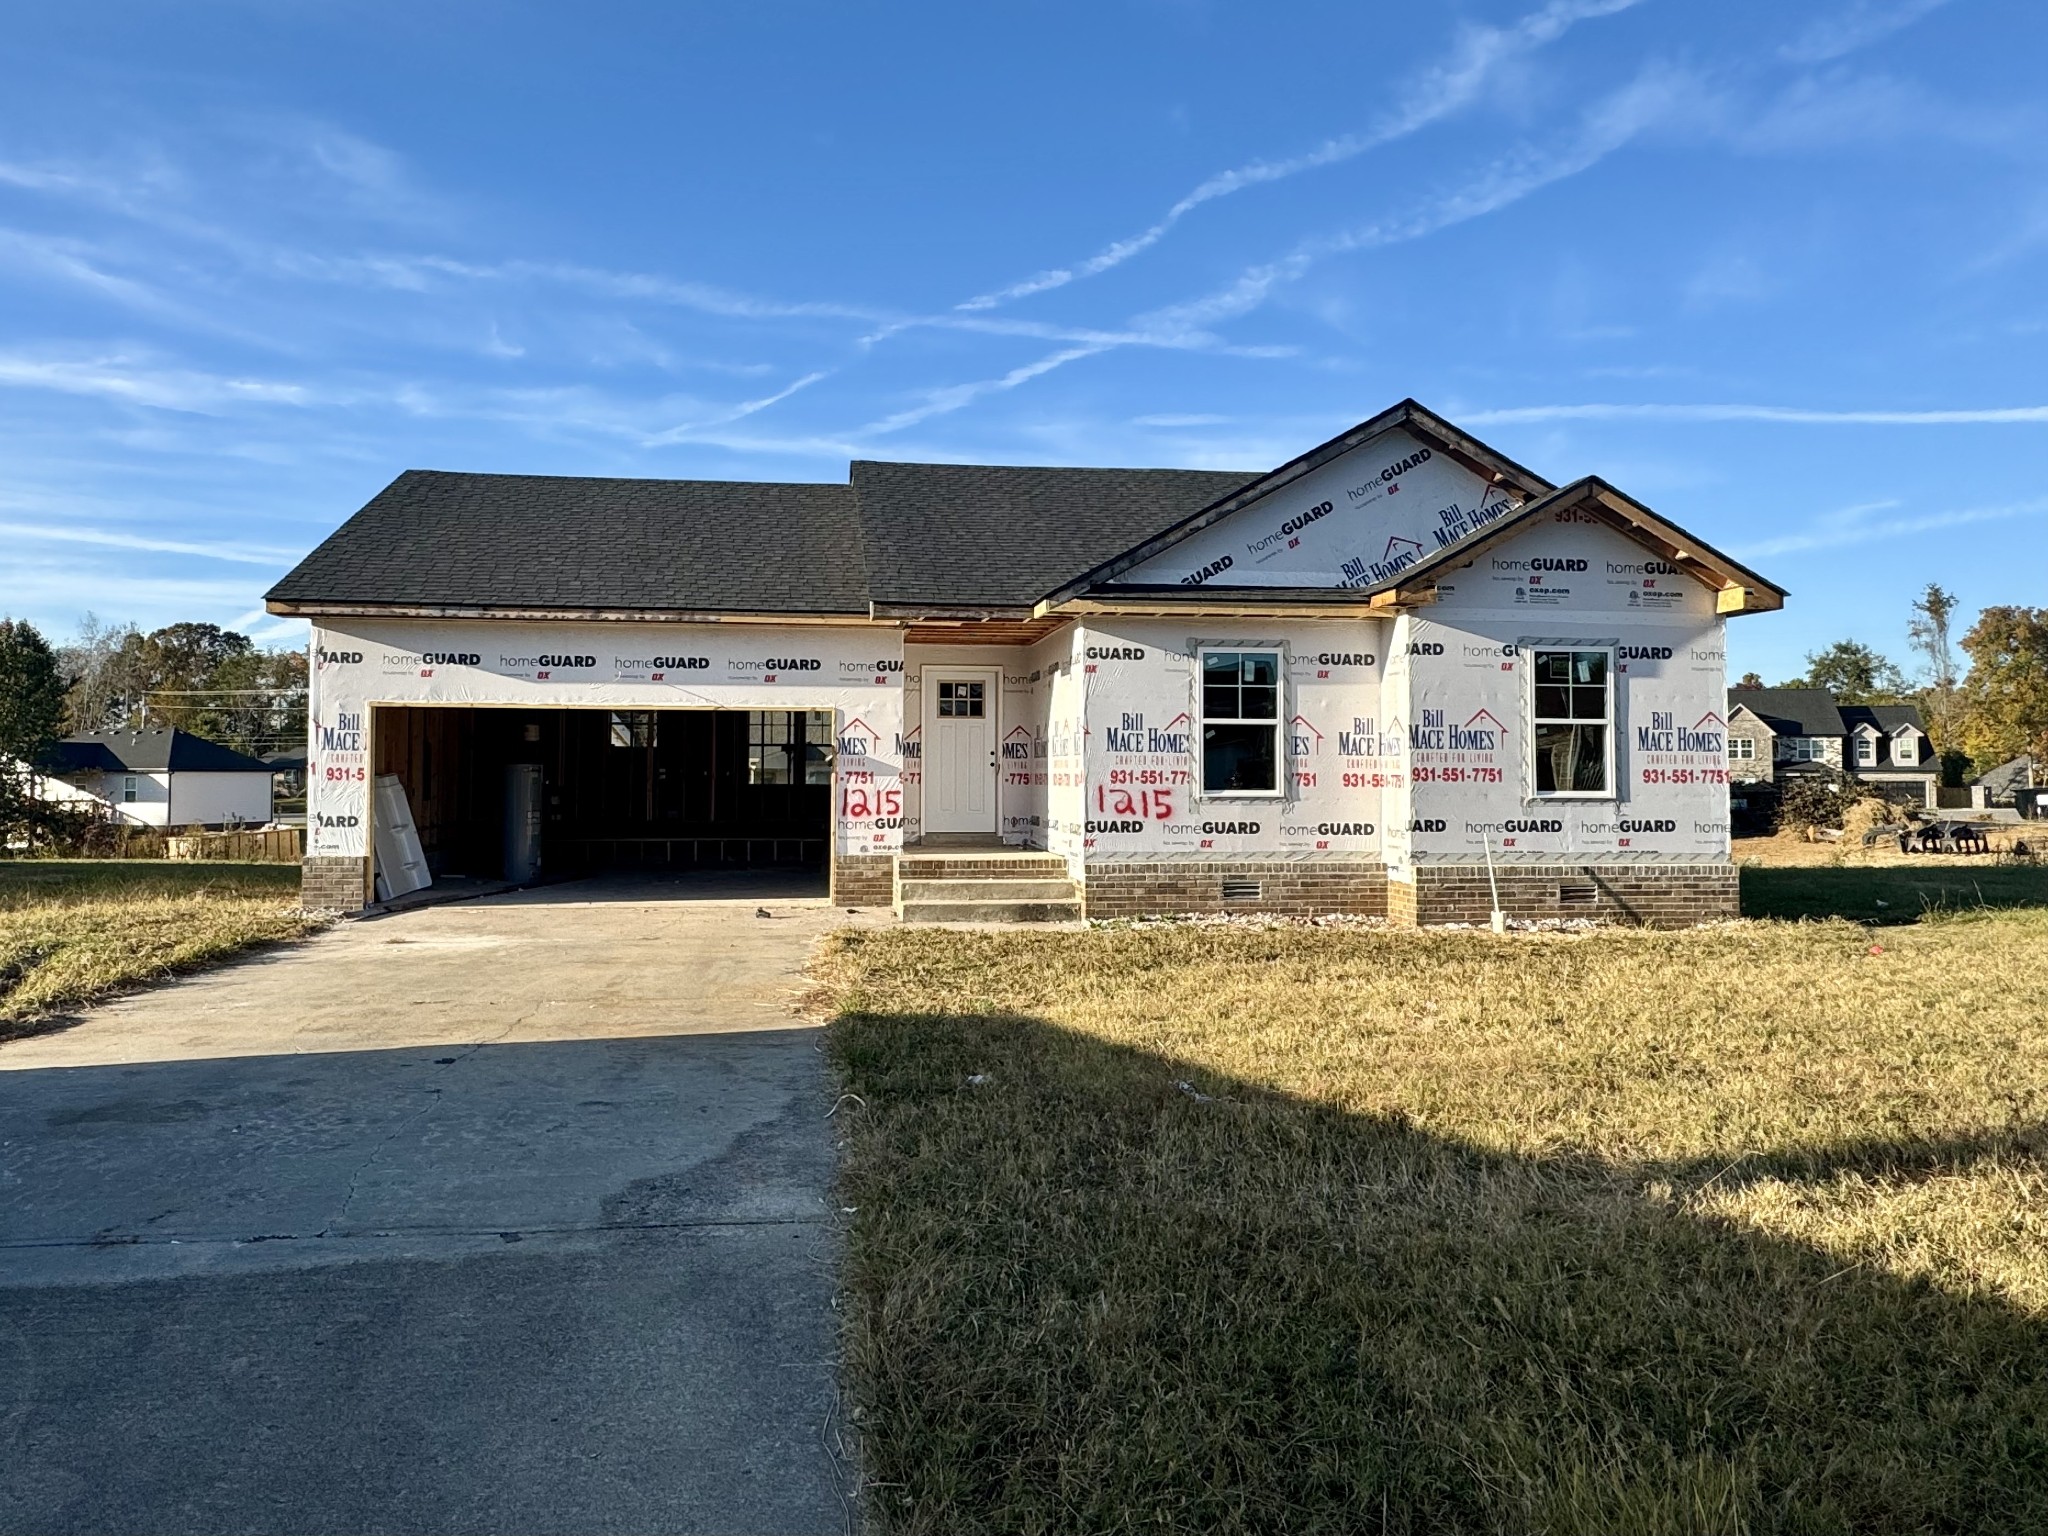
[960, 749]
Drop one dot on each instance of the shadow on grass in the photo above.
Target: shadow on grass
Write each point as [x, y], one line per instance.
[1095, 1289]
[1890, 893]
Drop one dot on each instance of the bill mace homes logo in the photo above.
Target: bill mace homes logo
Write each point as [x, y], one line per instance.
[1401, 553]
[1366, 739]
[1131, 736]
[1664, 734]
[1434, 733]
[856, 739]
[345, 735]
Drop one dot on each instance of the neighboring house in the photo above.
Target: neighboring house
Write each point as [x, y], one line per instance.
[161, 778]
[1777, 734]
[288, 771]
[1352, 683]
[2000, 787]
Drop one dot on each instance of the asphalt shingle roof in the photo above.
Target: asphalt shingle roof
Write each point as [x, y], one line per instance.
[161, 751]
[963, 535]
[982, 534]
[1792, 711]
[435, 538]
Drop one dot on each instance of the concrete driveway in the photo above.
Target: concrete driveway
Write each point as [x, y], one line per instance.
[504, 1216]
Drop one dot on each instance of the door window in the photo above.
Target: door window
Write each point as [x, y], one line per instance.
[961, 701]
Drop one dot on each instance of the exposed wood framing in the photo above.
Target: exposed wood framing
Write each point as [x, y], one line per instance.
[986, 632]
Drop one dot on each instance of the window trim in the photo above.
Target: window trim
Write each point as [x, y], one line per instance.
[1867, 741]
[1533, 649]
[1200, 713]
[1747, 756]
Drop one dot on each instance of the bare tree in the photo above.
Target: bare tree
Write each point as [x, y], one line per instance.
[98, 689]
[1928, 630]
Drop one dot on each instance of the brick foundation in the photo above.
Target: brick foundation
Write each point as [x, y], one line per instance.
[332, 884]
[1653, 895]
[863, 879]
[1292, 887]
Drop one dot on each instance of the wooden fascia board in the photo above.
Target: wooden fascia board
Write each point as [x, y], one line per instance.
[1734, 588]
[321, 610]
[1244, 608]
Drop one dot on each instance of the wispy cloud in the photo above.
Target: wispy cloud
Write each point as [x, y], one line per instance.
[1858, 26]
[106, 538]
[1860, 525]
[1652, 97]
[135, 380]
[1437, 93]
[1959, 416]
[940, 401]
[739, 412]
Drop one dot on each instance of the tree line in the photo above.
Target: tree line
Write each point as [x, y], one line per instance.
[1983, 695]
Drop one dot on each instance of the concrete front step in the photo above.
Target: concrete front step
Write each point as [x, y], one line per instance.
[991, 911]
[910, 867]
[984, 889]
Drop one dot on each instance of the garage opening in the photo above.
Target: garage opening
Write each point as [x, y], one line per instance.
[656, 789]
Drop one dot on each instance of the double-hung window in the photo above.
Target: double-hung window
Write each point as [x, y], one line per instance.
[128, 790]
[1741, 749]
[1573, 723]
[1866, 750]
[1240, 722]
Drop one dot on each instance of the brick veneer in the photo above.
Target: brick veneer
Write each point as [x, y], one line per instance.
[1294, 887]
[328, 884]
[1655, 895]
[863, 879]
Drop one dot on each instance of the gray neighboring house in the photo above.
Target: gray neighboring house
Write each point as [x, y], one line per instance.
[1776, 735]
[2000, 787]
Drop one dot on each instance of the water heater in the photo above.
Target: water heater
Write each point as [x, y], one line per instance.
[522, 822]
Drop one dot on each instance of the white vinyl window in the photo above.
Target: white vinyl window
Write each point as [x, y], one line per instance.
[1240, 722]
[1741, 749]
[1572, 724]
[128, 790]
[1805, 749]
[1866, 751]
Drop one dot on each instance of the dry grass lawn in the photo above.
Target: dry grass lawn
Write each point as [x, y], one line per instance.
[1742, 1229]
[73, 930]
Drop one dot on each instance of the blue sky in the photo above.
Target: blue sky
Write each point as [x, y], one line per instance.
[1781, 271]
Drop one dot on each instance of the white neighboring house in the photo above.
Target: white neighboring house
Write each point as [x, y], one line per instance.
[162, 778]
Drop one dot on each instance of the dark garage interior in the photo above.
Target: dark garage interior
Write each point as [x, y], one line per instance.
[619, 789]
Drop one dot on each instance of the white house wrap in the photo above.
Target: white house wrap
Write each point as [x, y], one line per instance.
[1342, 685]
